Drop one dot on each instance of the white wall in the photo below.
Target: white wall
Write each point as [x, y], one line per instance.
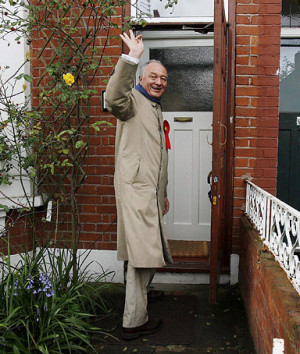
[13, 57]
[96, 262]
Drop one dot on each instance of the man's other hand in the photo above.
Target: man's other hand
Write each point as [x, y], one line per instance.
[166, 205]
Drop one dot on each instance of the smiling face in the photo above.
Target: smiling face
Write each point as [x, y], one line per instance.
[154, 79]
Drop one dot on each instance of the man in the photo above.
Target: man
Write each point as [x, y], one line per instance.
[140, 180]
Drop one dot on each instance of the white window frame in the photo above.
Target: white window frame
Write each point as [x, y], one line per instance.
[290, 32]
[175, 20]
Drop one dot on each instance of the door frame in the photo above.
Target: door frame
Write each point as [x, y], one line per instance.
[181, 39]
[221, 185]
[224, 227]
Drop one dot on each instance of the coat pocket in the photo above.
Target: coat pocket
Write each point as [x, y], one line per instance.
[130, 168]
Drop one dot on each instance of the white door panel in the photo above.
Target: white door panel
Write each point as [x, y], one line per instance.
[189, 165]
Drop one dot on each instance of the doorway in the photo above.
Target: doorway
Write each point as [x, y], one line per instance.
[188, 107]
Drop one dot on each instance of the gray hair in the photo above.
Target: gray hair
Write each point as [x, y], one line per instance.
[143, 67]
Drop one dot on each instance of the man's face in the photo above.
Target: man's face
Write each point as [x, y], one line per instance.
[154, 79]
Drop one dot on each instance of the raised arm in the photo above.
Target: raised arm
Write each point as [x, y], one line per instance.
[118, 91]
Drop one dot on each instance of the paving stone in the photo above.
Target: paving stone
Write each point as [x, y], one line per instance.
[190, 324]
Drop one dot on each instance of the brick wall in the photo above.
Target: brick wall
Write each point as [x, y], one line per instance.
[97, 201]
[271, 302]
[258, 24]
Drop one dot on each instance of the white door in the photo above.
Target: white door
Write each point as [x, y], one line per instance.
[189, 165]
[187, 106]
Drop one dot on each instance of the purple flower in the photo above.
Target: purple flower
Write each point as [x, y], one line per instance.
[50, 293]
[47, 286]
[30, 282]
[16, 286]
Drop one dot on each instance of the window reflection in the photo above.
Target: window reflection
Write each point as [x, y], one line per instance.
[290, 76]
[190, 78]
[186, 8]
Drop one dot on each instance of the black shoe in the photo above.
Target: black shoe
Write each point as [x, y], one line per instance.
[155, 295]
[149, 327]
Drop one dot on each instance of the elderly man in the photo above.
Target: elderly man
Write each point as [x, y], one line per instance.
[140, 180]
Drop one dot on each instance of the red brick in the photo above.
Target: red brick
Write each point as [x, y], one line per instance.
[243, 40]
[242, 60]
[249, 30]
[267, 59]
[246, 9]
[270, 172]
[246, 91]
[246, 70]
[267, 143]
[242, 101]
[267, 19]
[248, 152]
[243, 20]
[268, 122]
[265, 81]
[243, 122]
[243, 80]
[242, 142]
[265, 102]
[245, 132]
[241, 162]
[269, 9]
[245, 112]
[243, 50]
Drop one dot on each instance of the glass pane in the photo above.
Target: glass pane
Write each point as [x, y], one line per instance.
[186, 8]
[190, 78]
[289, 76]
[290, 13]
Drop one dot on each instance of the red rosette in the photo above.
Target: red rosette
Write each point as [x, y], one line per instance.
[166, 126]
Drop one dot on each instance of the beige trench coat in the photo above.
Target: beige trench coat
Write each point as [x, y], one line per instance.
[140, 171]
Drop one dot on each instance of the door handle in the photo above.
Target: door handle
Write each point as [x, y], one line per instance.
[183, 119]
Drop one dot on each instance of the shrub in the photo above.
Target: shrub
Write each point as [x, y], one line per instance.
[44, 309]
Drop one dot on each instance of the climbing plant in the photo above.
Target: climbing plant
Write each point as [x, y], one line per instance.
[47, 137]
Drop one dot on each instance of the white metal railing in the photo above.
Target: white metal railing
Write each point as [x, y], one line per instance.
[279, 227]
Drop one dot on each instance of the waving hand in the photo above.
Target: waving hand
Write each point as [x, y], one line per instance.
[135, 44]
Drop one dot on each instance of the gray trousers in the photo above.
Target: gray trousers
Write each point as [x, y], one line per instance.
[137, 284]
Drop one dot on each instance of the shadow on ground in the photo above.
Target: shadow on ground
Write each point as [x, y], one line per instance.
[190, 324]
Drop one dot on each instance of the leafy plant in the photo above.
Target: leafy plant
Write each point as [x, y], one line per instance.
[42, 311]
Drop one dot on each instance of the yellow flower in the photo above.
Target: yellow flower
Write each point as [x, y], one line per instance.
[28, 55]
[69, 79]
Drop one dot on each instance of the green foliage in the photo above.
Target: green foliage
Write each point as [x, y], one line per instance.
[171, 3]
[41, 311]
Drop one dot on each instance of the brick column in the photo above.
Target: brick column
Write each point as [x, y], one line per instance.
[258, 24]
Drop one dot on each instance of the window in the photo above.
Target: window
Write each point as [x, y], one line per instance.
[289, 75]
[190, 77]
[290, 13]
[185, 11]
[187, 8]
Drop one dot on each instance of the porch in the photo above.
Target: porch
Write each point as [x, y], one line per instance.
[190, 325]
[263, 308]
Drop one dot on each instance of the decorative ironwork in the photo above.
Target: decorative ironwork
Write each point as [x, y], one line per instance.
[279, 227]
